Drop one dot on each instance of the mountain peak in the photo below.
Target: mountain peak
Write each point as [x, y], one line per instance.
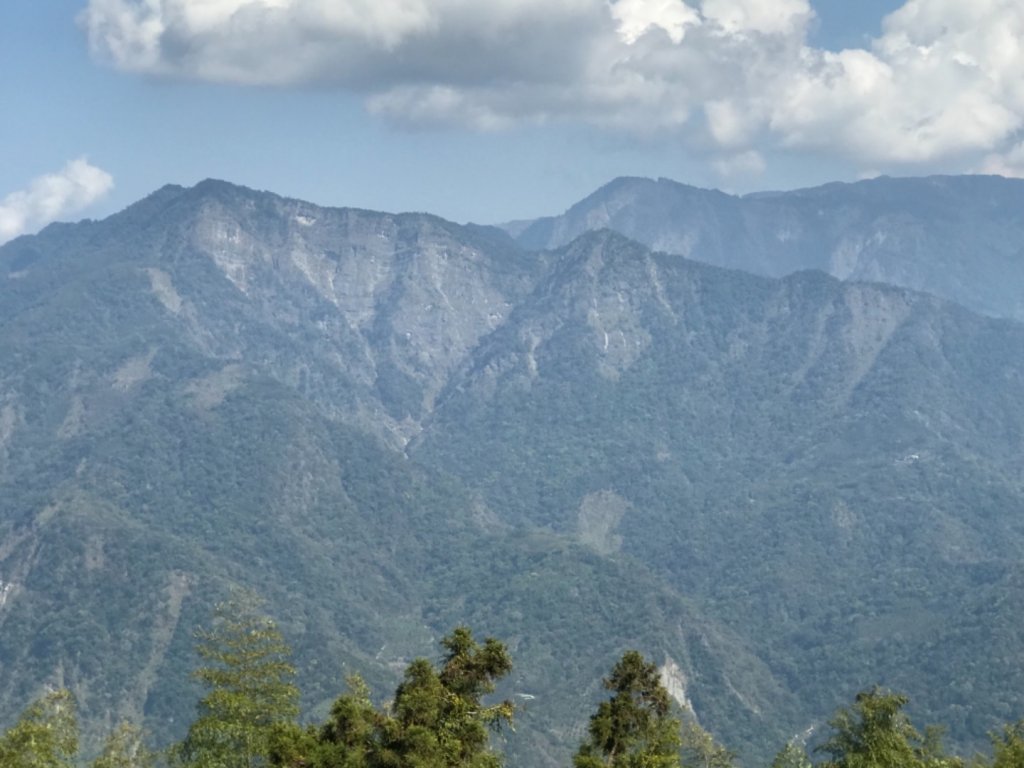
[643, 185]
[958, 237]
[168, 194]
[225, 189]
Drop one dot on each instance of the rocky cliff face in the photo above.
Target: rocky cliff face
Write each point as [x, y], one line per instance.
[393, 302]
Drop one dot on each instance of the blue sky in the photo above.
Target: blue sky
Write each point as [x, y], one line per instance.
[498, 110]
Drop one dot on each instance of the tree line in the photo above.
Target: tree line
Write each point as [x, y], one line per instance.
[438, 718]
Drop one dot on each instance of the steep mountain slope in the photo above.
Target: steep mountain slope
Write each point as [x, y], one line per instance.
[786, 489]
[833, 468]
[213, 387]
[958, 237]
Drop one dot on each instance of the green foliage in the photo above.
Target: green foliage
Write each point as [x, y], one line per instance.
[441, 716]
[438, 718]
[125, 748]
[248, 674]
[351, 737]
[933, 752]
[1008, 746]
[45, 736]
[634, 728]
[700, 750]
[875, 733]
[791, 756]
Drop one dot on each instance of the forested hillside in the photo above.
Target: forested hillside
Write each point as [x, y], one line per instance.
[784, 490]
[447, 715]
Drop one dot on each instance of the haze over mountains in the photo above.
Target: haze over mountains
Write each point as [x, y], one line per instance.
[784, 486]
[959, 237]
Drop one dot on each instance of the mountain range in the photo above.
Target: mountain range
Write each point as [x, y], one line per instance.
[958, 237]
[679, 436]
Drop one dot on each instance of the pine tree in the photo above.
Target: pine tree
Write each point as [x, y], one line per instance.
[248, 674]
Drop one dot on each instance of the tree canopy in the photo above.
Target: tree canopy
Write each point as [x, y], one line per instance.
[875, 732]
[250, 692]
[440, 717]
[45, 736]
[635, 727]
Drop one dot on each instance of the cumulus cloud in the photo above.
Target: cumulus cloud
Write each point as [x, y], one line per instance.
[941, 82]
[635, 18]
[52, 197]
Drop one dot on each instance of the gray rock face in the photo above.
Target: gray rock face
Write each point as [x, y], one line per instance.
[400, 300]
[961, 237]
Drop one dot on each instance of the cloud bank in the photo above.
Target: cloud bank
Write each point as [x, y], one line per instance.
[737, 77]
[52, 197]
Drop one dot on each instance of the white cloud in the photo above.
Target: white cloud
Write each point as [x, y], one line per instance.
[636, 18]
[1009, 163]
[52, 197]
[749, 163]
[362, 44]
[768, 17]
[941, 83]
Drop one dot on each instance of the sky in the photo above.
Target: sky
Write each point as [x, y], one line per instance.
[492, 110]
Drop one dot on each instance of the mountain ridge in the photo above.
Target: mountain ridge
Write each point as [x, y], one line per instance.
[955, 236]
[390, 424]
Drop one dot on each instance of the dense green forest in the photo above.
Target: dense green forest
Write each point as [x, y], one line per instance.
[443, 716]
[782, 490]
